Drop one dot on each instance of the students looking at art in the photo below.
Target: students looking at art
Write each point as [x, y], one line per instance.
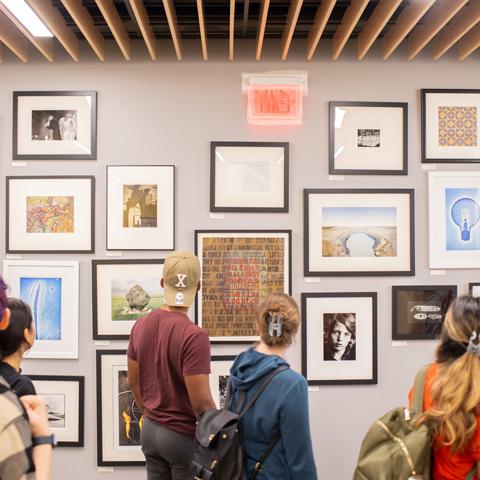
[168, 370]
[283, 405]
[452, 393]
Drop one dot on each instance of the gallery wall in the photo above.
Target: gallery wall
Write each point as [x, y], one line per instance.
[167, 112]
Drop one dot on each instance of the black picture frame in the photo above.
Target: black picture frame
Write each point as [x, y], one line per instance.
[400, 312]
[9, 179]
[424, 92]
[173, 200]
[471, 287]
[283, 209]
[95, 293]
[309, 272]
[55, 156]
[245, 233]
[101, 462]
[214, 374]
[333, 170]
[81, 404]
[304, 326]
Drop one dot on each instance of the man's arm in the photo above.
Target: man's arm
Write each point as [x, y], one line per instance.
[133, 381]
[198, 388]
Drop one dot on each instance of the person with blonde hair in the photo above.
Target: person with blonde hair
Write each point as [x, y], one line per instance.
[275, 430]
[452, 393]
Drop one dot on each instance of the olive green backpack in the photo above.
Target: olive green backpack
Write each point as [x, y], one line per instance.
[393, 448]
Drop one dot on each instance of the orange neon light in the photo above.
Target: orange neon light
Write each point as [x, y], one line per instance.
[274, 105]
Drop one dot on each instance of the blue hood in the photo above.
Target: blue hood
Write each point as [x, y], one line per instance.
[251, 365]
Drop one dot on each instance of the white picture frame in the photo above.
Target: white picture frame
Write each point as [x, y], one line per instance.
[51, 288]
[140, 207]
[451, 245]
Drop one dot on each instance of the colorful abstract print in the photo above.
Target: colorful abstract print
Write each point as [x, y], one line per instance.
[50, 214]
[457, 126]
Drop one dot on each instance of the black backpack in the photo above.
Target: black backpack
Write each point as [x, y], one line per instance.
[218, 452]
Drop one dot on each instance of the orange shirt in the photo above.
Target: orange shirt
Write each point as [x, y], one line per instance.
[448, 465]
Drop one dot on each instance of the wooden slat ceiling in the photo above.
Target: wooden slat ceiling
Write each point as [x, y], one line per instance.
[433, 27]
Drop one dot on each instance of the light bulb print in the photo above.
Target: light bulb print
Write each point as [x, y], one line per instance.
[465, 213]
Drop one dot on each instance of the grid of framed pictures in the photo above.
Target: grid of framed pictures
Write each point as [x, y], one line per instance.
[418, 311]
[358, 232]
[123, 291]
[50, 214]
[55, 125]
[239, 267]
[339, 338]
[368, 138]
[118, 415]
[141, 207]
[249, 177]
[51, 289]
[450, 126]
[64, 397]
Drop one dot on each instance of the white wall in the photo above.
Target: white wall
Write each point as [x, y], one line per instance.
[168, 112]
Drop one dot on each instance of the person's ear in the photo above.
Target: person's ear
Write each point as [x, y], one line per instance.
[5, 320]
[199, 286]
[162, 283]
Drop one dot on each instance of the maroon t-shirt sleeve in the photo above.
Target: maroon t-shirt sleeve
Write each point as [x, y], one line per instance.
[131, 353]
[196, 354]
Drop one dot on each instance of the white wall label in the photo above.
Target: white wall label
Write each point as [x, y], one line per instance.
[114, 253]
[217, 216]
[399, 343]
[336, 178]
[437, 273]
[312, 279]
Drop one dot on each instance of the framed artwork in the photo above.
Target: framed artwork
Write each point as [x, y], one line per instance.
[418, 311]
[249, 177]
[239, 268]
[141, 207]
[358, 232]
[64, 398]
[339, 338]
[51, 289]
[221, 365]
[454, 216]
[55, 125]
[450, 126]
[368, 138]
[123, 291]
[50, 214]
[118, 416]
[474, 289]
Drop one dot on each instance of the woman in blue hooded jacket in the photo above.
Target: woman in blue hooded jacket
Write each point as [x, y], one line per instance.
[283, 405]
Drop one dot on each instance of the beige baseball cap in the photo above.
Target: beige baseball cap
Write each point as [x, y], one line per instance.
[181, 274]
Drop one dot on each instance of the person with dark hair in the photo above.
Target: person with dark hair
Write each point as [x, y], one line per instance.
[282, 407]
[452, 393]
[339, 338]
[25, 439]
[14, 342]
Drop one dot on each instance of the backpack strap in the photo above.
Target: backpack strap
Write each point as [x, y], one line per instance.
[263, 383]
[418, 390]
[471, 473]
[259, 465]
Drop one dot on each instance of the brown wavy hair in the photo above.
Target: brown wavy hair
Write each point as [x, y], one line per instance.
[456, 387]
[285, 306]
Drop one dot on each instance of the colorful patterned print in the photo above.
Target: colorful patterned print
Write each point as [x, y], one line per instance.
[457, 126]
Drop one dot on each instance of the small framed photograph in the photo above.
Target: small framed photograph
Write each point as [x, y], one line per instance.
[454, 219]
[141, 207]
[50, 214]
[118, 416]
[418, 311]
[64, 398]
[55, 125]
[339, 338]
[358, 232]
[124, 291]
[249, 177]
[239, 269]
[51, 289]
[474, 289]
[450, 126]
[368, 138]
[221, 365]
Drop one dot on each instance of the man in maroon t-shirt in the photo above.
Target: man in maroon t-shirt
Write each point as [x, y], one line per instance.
[168, 369]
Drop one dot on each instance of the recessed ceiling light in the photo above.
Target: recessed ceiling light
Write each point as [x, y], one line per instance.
[27, 17]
